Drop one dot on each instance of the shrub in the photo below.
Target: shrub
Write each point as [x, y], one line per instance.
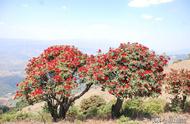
[91, 112]
[104, 111]
[187, 106]
[132, 108]
[42, 117]
[13, 116]
[138, 108]
[174, 106]
[153, 106]
[91, 104]
[21, 104]
[4, 108]
[73, 112]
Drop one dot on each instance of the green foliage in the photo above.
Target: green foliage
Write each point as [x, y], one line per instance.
[45, 108]
[174, 106]
[122, 120]
[187, 107]
[91, 112]
[91, 104]
[74, 113]
[132, 108]
[153, 106]
[4, 108]
[94, 106]
[21, 104]
[42, 117]
[137, 108]
[104, 111]
[14, 116]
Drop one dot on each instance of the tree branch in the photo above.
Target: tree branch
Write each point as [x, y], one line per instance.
[82, 93]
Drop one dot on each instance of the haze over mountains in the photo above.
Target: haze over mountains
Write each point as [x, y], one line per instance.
[14, 55]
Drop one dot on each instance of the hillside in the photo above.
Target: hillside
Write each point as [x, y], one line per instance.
[185, 64]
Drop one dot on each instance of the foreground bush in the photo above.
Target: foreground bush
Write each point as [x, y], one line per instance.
[74, 113]
[104, 111]
[101, 110]
[136, 108]
[153, 106]
[92, 101]
[132, 108]
[90, 106]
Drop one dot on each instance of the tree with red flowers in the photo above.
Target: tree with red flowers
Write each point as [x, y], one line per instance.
[53, 77]
[131, 70]
[179, 85]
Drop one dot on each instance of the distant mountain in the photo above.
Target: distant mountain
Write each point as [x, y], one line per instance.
[8, 84]
[179, 57]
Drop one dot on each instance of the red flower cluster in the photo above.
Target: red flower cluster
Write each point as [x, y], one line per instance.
[129, 70]
[52, 72]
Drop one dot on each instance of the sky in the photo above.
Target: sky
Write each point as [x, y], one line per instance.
[162, 25]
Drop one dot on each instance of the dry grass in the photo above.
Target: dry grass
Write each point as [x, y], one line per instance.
[170, 118]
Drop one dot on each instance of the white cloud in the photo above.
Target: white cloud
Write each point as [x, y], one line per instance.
[10, 73]
[147, 3]
[147, 17]
[150, 17]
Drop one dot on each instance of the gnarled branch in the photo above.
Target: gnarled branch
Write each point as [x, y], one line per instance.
[82, 93]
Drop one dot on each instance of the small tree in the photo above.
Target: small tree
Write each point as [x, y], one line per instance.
[179, 85]
[53, 77]
[128, 71]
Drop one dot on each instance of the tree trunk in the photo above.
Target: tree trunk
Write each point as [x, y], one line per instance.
[59, 110]
[63, 110]
[116, 108]
[53, 111]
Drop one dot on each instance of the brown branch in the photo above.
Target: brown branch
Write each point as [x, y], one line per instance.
[82, 93]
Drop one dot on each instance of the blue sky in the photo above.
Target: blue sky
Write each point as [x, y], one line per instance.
[163, 25]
